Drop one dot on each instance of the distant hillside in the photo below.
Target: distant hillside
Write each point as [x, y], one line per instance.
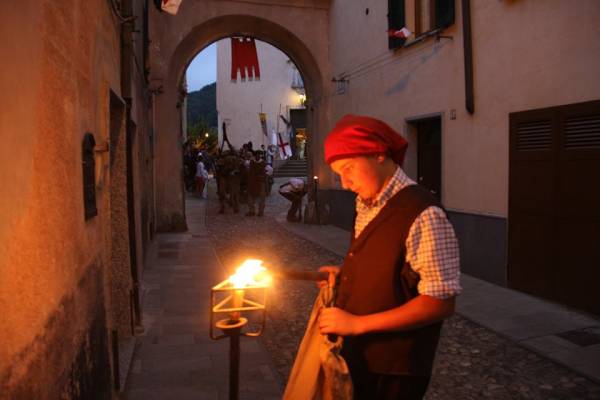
[202, 104]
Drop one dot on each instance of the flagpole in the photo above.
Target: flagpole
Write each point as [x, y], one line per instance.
[278, 118]
[278, 136]
[263, 133]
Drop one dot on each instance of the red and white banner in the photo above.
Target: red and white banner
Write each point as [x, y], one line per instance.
[244, 57]
[170, 6]
[285, 151]
[400, 33]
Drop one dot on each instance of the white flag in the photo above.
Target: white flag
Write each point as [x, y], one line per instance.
[285, 151]
[400, 33]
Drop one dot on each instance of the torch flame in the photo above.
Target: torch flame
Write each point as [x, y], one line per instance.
[250, 273]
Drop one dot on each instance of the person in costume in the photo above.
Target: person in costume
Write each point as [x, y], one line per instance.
[229, 167]
[294, 190]
[400, 277]
[201, 177]
[257, 182]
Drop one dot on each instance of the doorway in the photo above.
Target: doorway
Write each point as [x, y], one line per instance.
[298, 121]
[429, 154]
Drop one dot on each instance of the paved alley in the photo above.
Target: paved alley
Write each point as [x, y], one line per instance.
[175, 359]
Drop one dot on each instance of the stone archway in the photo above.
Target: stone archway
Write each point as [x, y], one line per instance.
[300, 31]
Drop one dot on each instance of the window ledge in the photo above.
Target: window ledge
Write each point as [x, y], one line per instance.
[422, 37]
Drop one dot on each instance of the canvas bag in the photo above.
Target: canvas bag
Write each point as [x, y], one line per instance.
[319, 372]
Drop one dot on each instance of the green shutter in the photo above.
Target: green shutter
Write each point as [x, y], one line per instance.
[444, 13]
[396, 20]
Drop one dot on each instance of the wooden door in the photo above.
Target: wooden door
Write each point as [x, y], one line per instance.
[532, 202]
[554, 204]
[429, 154]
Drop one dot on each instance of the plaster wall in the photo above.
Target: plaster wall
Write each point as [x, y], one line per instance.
[520, 62]
[299, 28]
[62, 63]
[240, 102]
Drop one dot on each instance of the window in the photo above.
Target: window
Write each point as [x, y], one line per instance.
[423, 16]
[433, 14]
[396, 21]
[423, 20]
[89, 176]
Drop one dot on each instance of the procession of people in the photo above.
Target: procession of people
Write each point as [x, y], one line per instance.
[243, 176]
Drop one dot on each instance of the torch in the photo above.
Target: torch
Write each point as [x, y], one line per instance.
[244, 291]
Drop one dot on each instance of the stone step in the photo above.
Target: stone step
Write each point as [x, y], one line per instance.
[292, 168]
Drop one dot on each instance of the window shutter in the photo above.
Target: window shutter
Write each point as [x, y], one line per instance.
[534, 135]
[396, 20]
[89, 176]
[582, 132]
[444, 13]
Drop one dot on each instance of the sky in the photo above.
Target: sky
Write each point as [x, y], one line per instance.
[203, 69]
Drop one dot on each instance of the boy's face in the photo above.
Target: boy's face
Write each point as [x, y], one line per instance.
[362, 175]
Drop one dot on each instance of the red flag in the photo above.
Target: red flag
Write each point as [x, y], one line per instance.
[400, 33]
[243, 56]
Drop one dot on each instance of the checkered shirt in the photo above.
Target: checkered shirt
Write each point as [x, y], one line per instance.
[431, 246]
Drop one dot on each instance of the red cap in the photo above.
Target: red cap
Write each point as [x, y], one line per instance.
[356, 135]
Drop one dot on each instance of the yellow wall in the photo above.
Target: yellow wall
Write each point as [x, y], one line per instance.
[527, 54]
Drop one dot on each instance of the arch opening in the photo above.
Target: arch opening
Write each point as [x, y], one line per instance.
[170, 192]
[267, 109]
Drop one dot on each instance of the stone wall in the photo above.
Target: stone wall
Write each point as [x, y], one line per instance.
[299, 28]
[64, 286]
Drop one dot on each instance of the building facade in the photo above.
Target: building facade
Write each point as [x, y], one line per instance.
[463, 89]
[279, 91]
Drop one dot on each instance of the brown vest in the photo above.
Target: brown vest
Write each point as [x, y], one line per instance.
[375, 277]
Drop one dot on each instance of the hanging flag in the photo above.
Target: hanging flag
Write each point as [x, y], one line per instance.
[289, 130]
[400, 33]
[243, 56]
[284, 148]
[263, 123]
[170, 6]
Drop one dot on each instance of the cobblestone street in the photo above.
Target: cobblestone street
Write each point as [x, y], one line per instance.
[472, 362]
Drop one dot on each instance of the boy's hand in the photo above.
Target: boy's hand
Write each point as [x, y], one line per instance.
[333, 320]
[333, 271]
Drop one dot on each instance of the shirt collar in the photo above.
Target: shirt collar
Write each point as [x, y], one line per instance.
[397, 182]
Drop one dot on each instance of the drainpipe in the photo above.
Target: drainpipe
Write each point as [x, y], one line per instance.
[468, 55]
[127, 65]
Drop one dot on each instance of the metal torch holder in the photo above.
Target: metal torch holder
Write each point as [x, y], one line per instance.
[221, 302]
